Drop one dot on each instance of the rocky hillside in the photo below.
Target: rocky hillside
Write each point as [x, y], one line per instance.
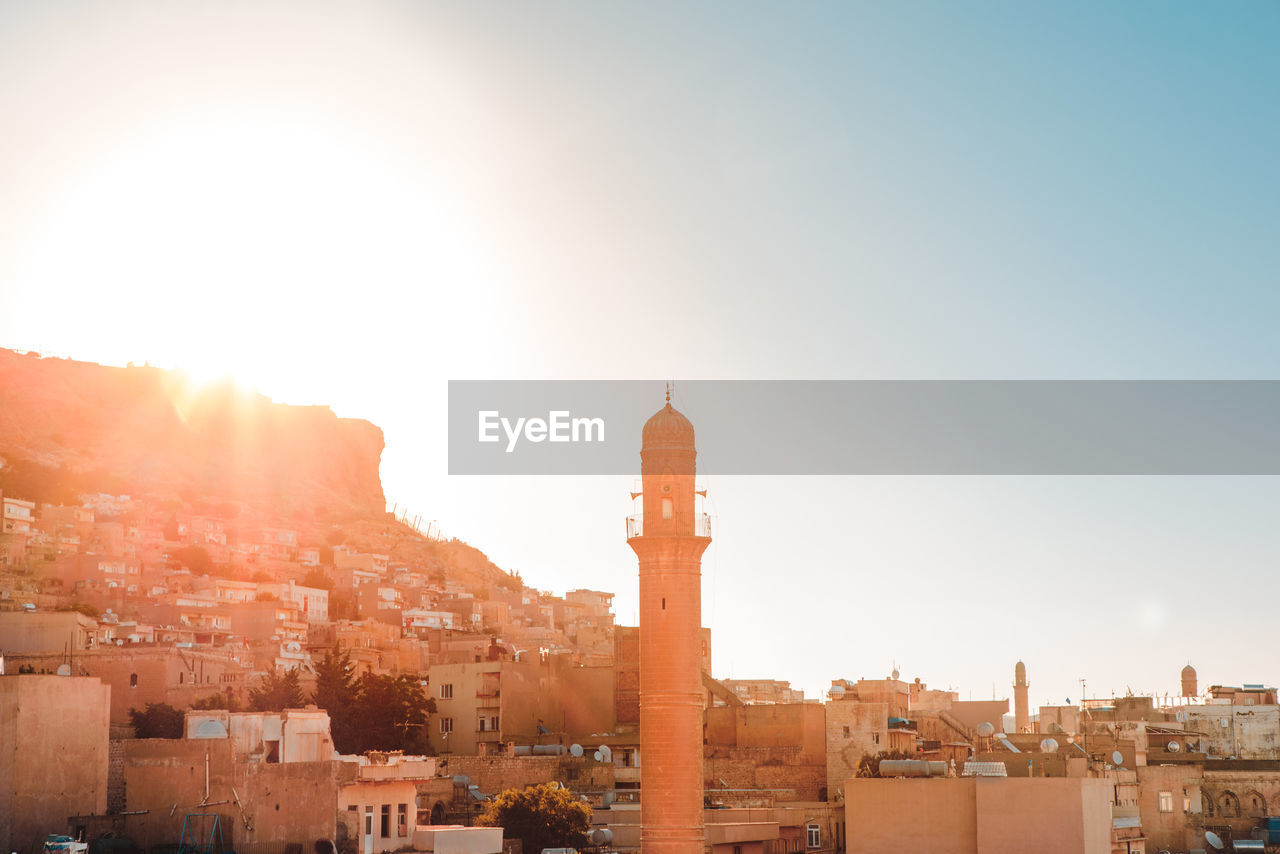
[70, 427]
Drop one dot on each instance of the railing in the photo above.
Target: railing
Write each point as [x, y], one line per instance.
[701, 525]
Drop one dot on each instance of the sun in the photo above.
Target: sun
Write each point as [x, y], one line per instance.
[281, 256]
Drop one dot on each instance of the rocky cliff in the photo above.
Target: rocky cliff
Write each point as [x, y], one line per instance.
[70, 427]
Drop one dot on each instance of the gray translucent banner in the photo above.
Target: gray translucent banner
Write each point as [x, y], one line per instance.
[874, 427]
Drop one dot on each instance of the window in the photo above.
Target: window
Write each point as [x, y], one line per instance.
[446, 692]
[402, 820]
[875, 738]
[847, 732]
[668, 509]
[814, 834]
[446, 725]
[386, 821]
[133, 680]
[1166, 802]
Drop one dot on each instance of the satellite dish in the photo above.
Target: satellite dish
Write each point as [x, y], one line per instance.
[985, 730]
[1049, 745]
[598, 757]
[64, 669]
[836, 692]
[606, 755]
[1174, 747]
[575, 750]
[1214, 840]
[1117, 758]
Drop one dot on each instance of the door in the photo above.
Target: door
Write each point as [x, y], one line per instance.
[368, 830]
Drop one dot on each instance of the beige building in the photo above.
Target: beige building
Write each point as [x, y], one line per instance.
[978, 815]
[272, 778]
[26, 632]
[16, 515]
[484, 705]
[54, 735]
[1236, 731]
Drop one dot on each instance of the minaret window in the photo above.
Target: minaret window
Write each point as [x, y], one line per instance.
[668, 509]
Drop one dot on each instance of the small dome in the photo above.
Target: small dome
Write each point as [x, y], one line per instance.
[1188, 671]
[1020, 671]
[667, 429]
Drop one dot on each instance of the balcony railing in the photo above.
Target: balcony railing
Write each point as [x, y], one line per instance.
[701, 525]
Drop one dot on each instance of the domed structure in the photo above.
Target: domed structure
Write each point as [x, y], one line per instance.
[1019, 673]
[1189, 681]
[668, 428]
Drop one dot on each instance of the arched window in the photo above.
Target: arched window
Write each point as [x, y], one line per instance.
[1255, 805]
[133, 680]
[1228, 805]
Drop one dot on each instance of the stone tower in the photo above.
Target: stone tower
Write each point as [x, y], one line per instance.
[669, 539]
[1021, 710]
[1189, 681]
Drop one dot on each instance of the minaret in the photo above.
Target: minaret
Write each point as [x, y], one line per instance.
[1189, 681]
[1021, 712]
[669, 540]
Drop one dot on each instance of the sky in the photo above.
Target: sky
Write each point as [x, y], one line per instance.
[352, 204]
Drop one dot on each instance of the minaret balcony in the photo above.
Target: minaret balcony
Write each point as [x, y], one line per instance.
[701, 525]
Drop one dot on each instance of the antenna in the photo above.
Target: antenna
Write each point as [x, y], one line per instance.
[985, 729]
[1174, 747]
[575, 750]
[606, 755]
[1049, 745]
[1117, 758]
[1214, 840]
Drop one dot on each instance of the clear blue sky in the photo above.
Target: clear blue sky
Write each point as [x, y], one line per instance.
[352, 205]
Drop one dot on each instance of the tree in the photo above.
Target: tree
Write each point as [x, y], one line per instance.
[158, 720]
[338, 694]
[343, 606]
[318, 579]
[217, 701]
[391, 714]
[194, 558]
[541, 816]
[277, 693]
[869, 766]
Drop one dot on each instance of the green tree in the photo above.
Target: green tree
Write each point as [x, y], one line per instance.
[277, 693]
[343, 606]
[194, 558]
[158, 720]
[338, 694]
[869, 765]
[318, 579]
[392, 713]
[217, 701]
[541, 816]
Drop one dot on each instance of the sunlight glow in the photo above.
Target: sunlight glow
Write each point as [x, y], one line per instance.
[266, 252]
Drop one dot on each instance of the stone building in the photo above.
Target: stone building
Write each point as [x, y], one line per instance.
[54, 734]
